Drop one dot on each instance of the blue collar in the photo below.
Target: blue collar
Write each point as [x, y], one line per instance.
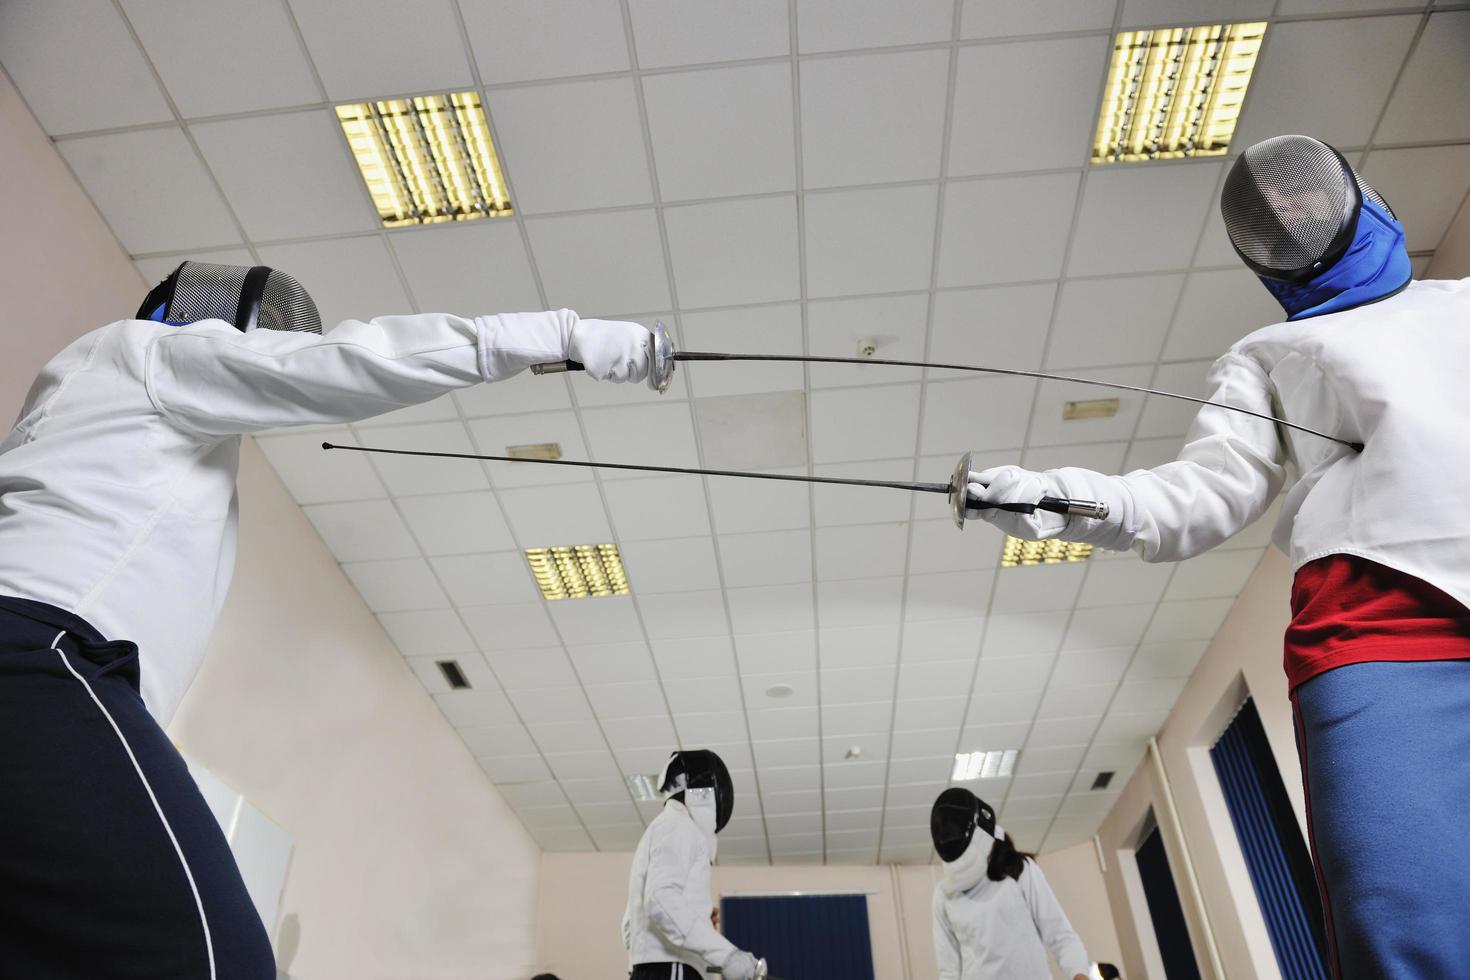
[1375, 266]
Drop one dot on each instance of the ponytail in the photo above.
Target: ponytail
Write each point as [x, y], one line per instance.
[1006, 861]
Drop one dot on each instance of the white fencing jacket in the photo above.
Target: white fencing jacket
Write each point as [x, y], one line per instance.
[669, 904]
[117, 485]
[1391, 375]
[1001, 930]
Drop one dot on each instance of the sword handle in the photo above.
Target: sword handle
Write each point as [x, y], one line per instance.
[1095, 509]
[557, 367]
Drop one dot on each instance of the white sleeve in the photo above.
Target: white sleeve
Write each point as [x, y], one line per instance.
[1225, 477]
[214, 380]
[671, 854]
[1051, 922]
[946, 946]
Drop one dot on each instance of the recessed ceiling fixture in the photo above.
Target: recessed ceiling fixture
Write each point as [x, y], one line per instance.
[1097, 408]
[578, 571]
[856, 752]
[453, 674]
[780, 691]
[983, 765]
[1103, 779]
[426, 159]
[1175, 91]
[1017, 551]
[643, 786]
[535, 450]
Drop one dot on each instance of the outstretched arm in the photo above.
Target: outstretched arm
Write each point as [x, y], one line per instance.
[214, 380]
[1231, 467]
[1052, 924]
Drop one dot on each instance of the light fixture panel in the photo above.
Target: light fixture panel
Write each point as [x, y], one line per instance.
[1175, 92]
[1018, 551]
[992, 764]
[643, 787]
[426, 159]
[580, 571]
[1096, 408]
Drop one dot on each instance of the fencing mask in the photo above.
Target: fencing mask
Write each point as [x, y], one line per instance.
[953, 821]
[250, 297]
[1317, 234]
[709, 794]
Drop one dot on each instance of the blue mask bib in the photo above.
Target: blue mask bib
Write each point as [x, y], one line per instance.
[1375, 266]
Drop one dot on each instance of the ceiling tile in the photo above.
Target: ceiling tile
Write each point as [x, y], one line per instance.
[536, 667]
[605, 619]
[1176, 659]
[754, 432]
[543, 133]
[758, 505]
[943, 639]
[768, 723]
[1118, 756]
[348, 278]
[481, 706]
[702, 656]
[456, 523]
[1024, 634]
[468, 268]
[1048, 428]
[1196, 619]
[977, 413]
[787, 752]
[587, 765]
[859, 602]
[935, 741]
[944, 596]
[687, 32]
[854, 719]
[1047, 114]
[935, 678]
[803, 801]
[516, 40]
[1041, 588]
[1168, 416]
[768, 653]
[784, 779]
[486, 579]
[558, 515]
[854, 798]
[152, 189]
[770, 609]
[767, 330]
[475, 671]
[1107, 626]
[1018, 677]
[548, 704]
[895, 324]
[1103, 457]
[721, 133]
[1118, 228]
[523, 393]
[509, 627]
[78, 68]
[734, 251]
[1001, 326]
[869, 241]
[611, 663]
[938, 546]
[1036, 213]
[411, 475]
[1088, 667]
[858, 685]
[396, 585]
[583, 269]
[1158, 694]
[1424, 106]
[495, 436]
[1054, 759]
[1218, 309]
[315, 477]
[1116, 583]
[1088, 700]
[362, 530]
[1423, 186]
[517, 769]
[653, 736]
[662, 507]
[1329, 78]
[921, 713]
[863, 423]
[708, 727]
[861, 551]
[677, 615]
[287, 175]
[563, 736]
[1128, 727]
[491, 740]
[1002, 18]
[671, 565]
[540, 795]
[1121, 320]
[1212, 575]
[840, 25]
[836, 505]
[384, 49]
[902, 98]
[432, 632]
[766, 558]
[1161, 12]
[860, 646]
[623, 434]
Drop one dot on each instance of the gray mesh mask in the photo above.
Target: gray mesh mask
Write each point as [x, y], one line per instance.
[1291, 206]
[251, 297]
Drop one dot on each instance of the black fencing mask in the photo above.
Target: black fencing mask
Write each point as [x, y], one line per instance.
[250, 297]
[701, 769]
[952, 822]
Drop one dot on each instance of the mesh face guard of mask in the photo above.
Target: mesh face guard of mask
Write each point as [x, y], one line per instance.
[701, 769]
[250, 297]
[1291, 206]
[952, 822]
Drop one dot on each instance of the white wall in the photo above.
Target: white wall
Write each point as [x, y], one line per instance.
[407, 862]
[583, 895]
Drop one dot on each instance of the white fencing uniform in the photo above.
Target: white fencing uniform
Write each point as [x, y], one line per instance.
[669, 904]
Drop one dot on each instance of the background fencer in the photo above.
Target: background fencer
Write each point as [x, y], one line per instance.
[117, 542]
[995, 916]
[1378, 647]
[667, 927]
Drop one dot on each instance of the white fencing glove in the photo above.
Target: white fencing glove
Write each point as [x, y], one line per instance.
[1118, 531]
[1014, 485]
[611, 350]
[739, 965]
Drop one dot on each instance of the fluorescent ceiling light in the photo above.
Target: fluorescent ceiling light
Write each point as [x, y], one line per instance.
[426, 159]
[535, 450]
[994, 764]
[643, 786]
[1016, 551]
[1097, 408]
[578, 571]
[1175, 91]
